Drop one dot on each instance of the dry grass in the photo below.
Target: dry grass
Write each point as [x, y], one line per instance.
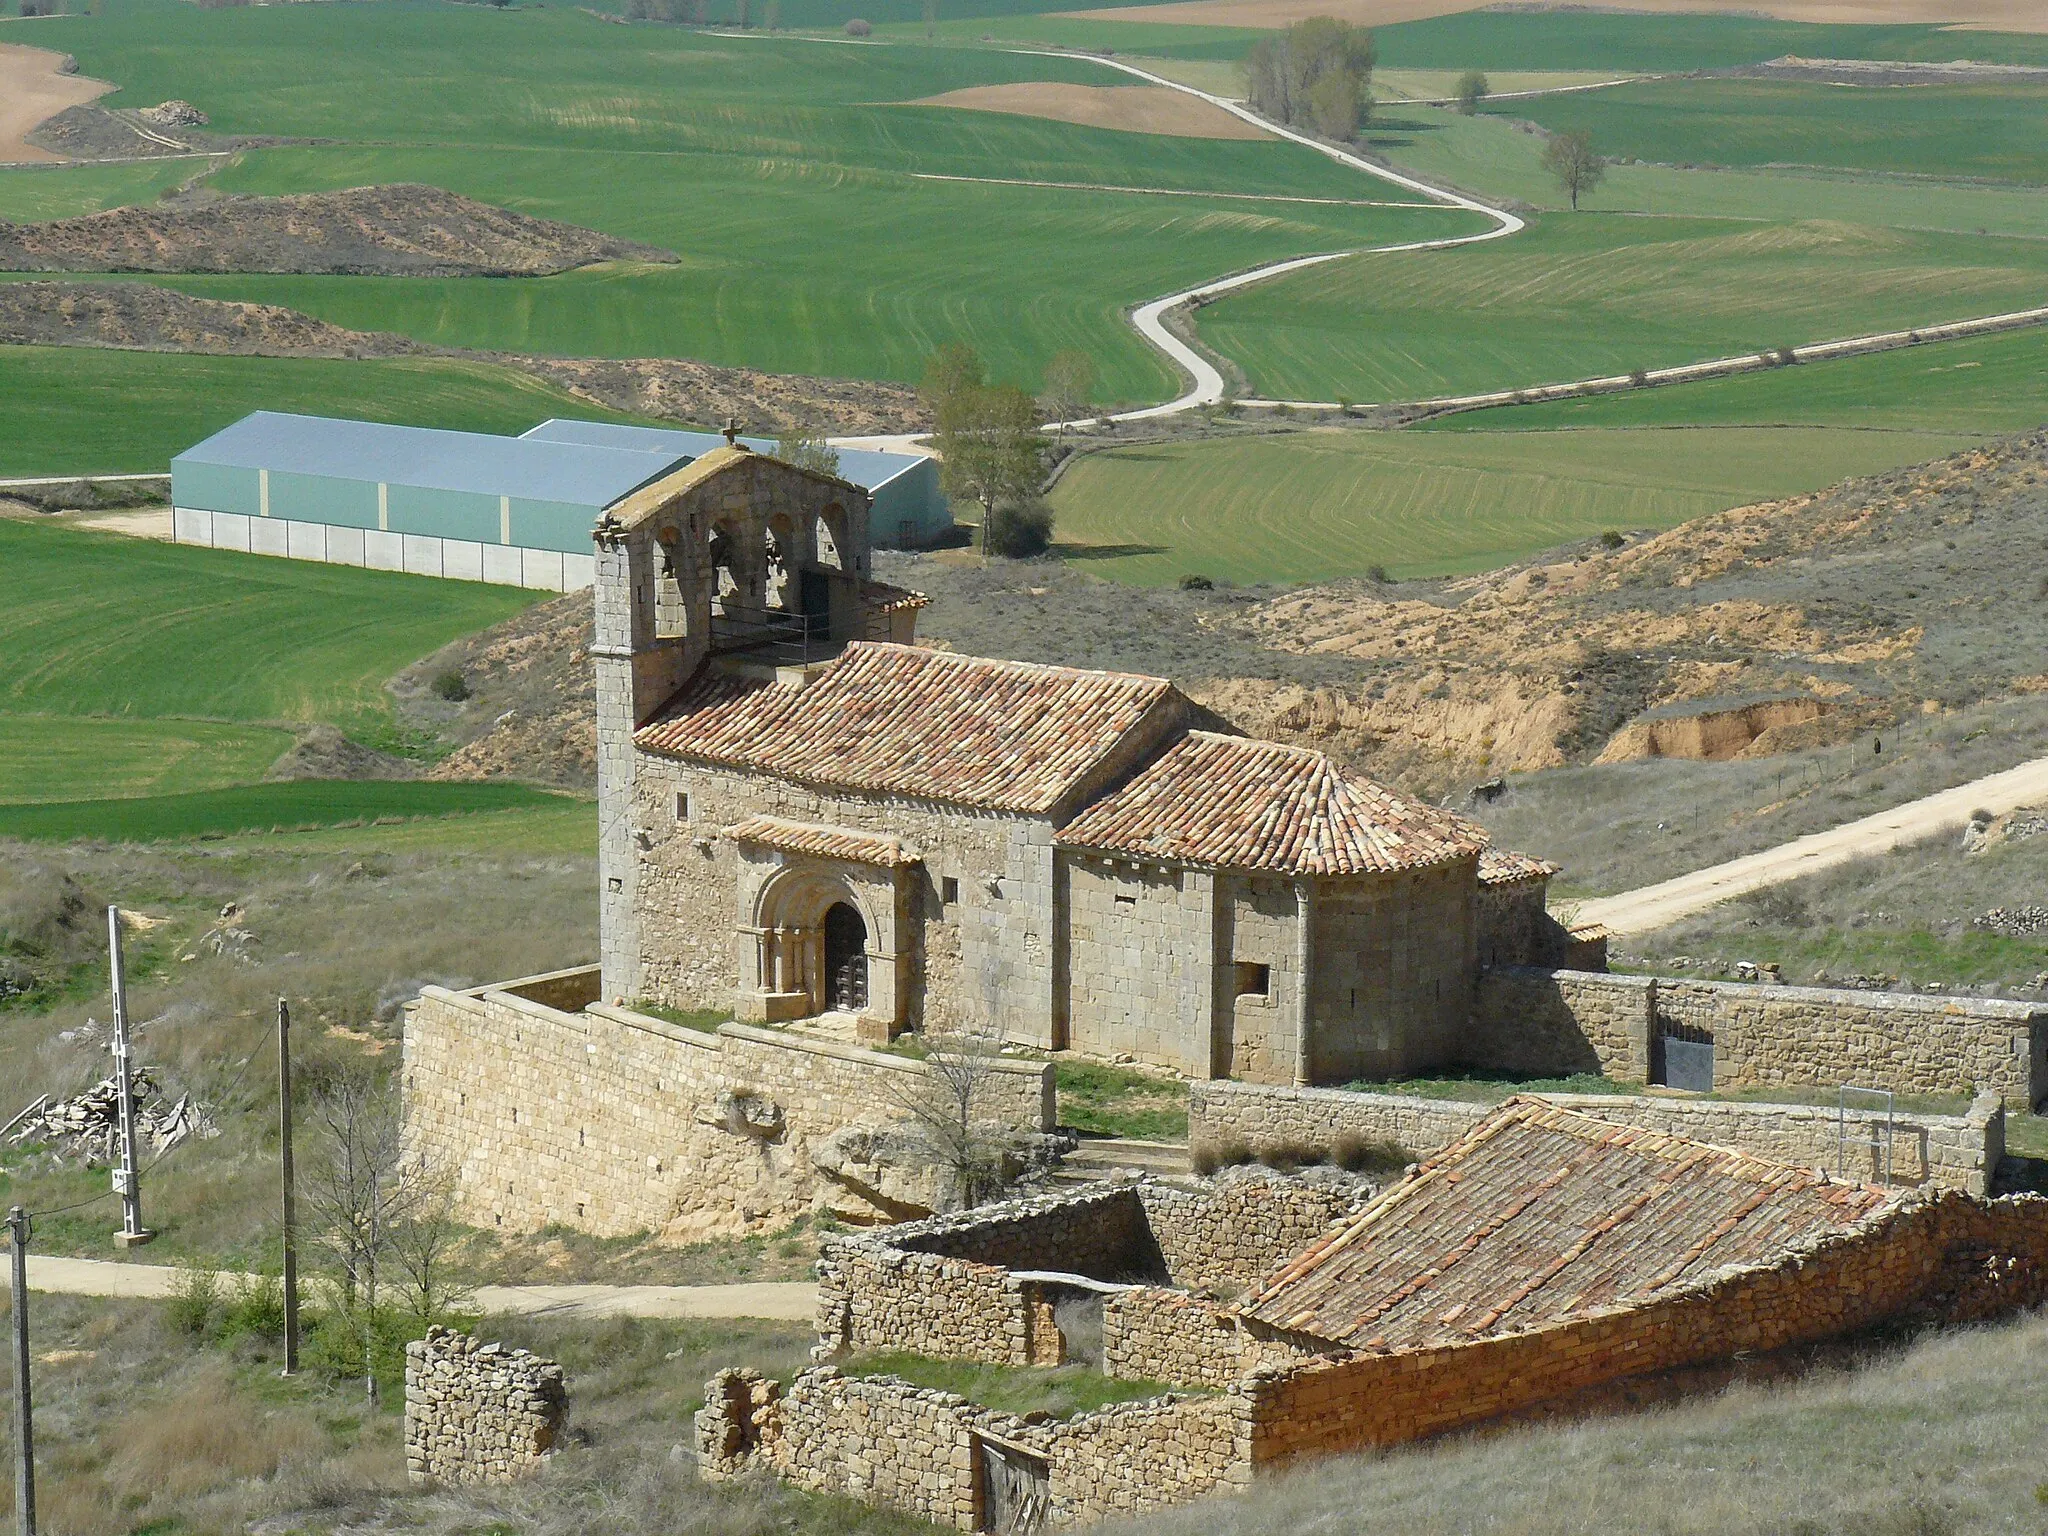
[1939, 1438]
[1128, 108]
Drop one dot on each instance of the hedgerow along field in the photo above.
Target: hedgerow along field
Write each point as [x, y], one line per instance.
[1310, 506]
[780, 169]
[55, 402]
[1574, 297]
[103, 627]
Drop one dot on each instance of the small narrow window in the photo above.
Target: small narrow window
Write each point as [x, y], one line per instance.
[949, 889]
[1126, 903]
[615, 883]
[682, 806]
[1254, 980]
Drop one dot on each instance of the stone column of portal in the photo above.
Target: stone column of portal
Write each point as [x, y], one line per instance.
[1304, 978]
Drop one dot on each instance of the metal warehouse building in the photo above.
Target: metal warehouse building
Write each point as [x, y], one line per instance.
[468, 506]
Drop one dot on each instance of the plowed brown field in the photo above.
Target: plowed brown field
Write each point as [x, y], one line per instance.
[32, 91]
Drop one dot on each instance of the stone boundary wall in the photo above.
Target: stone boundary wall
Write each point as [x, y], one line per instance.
[477, 1412]
[977, 1285]
[1950, 1258]
[1263, 1118]
[1242, 1226]
[885, 1442]
[1948, 1151]
[1947, 1257]
[1559, 1021]
[1150, 1333]
[616, 1123]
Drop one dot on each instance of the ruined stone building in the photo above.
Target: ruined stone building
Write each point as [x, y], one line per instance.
[803, 812]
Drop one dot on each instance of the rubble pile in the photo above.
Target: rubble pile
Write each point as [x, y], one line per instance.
[86, 1129]
[2013, 922]
[229, 938]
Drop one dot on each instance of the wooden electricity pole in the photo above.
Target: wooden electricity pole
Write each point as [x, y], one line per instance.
[24, 1427]
[284, 1147]
[127, 1178]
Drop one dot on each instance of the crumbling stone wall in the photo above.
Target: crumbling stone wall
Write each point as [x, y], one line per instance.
[477, 1412]
[1948, 1151]
[1235, 1229]
[615, 1123]
[1558, 1021]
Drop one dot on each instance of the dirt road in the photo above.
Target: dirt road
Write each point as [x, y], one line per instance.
[785, 1303]
[1655, 906]
[32, 91]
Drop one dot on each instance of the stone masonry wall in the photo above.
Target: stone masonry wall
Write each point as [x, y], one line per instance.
[1949, 1151]
[1261, 1118]
[1951, 1257]
[1395, 955]
[1239, 1227]
[1140, 961]
[615, 1123]
[1557, 1021]
[984, 959]
[1150, 1333]
[477, 1412]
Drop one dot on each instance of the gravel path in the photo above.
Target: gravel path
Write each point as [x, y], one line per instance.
[1655, 906]
[786, 1303]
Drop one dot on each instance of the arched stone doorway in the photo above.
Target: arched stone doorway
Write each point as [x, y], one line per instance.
[846, 959]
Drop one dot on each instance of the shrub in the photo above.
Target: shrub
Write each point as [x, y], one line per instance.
[452, 686]
[1208, 1156]
[1355, 1154]
[1286, 1156]
[256, 1309]
[1196, 583]
[1639, 377]
[858, 28]
[1020, 529]
[1378, 573]
[195, 1300]
[1612, 539]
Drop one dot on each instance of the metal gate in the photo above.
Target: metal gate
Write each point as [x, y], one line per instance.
[1015, 1496]
[1686, 1063]
[846, 960]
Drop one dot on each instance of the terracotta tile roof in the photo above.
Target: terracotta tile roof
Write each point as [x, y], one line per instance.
[882, 597]
[1244, 804]
[1503, 866]
[898, 719]
[1538, 1215]
[825, 842]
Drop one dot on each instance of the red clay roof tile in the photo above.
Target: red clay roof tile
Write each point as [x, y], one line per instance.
[825, 842]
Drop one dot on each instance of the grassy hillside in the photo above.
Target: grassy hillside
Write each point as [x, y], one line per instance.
[133, 631]
[62, 191]
[1991, 384]
[1487, 155]
[1311, 506]
[1988, 131]
[785, 171]
[81, 410]
[897, 267]
[1573, 297]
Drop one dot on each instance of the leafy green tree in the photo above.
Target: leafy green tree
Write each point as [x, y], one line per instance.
[1571, 159]
[1473, 88]
[987, 434]
[1314, 75]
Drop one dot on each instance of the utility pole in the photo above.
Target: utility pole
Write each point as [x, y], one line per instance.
[24, 1427]
[127, 1178]
[284, 1146]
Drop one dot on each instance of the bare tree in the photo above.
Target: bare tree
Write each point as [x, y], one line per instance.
[350, 1190]
[421, 1234]
[1571, 159]
[987, 434]
[1069, 382]
[949, 1103]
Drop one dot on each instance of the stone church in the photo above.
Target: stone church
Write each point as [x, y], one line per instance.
[804, 811]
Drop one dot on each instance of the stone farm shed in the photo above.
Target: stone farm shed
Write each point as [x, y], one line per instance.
[467, 506]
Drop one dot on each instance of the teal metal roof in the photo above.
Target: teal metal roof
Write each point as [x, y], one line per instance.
[868, 468]
[535, 469]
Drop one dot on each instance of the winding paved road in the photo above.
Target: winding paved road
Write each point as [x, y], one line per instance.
[1150, 318]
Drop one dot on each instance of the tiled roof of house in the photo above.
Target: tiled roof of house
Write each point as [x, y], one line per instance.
[897, 719]
[1243, 804]
[824, 842]
[1503, 866]
[882, 597]
[1538, 1215]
